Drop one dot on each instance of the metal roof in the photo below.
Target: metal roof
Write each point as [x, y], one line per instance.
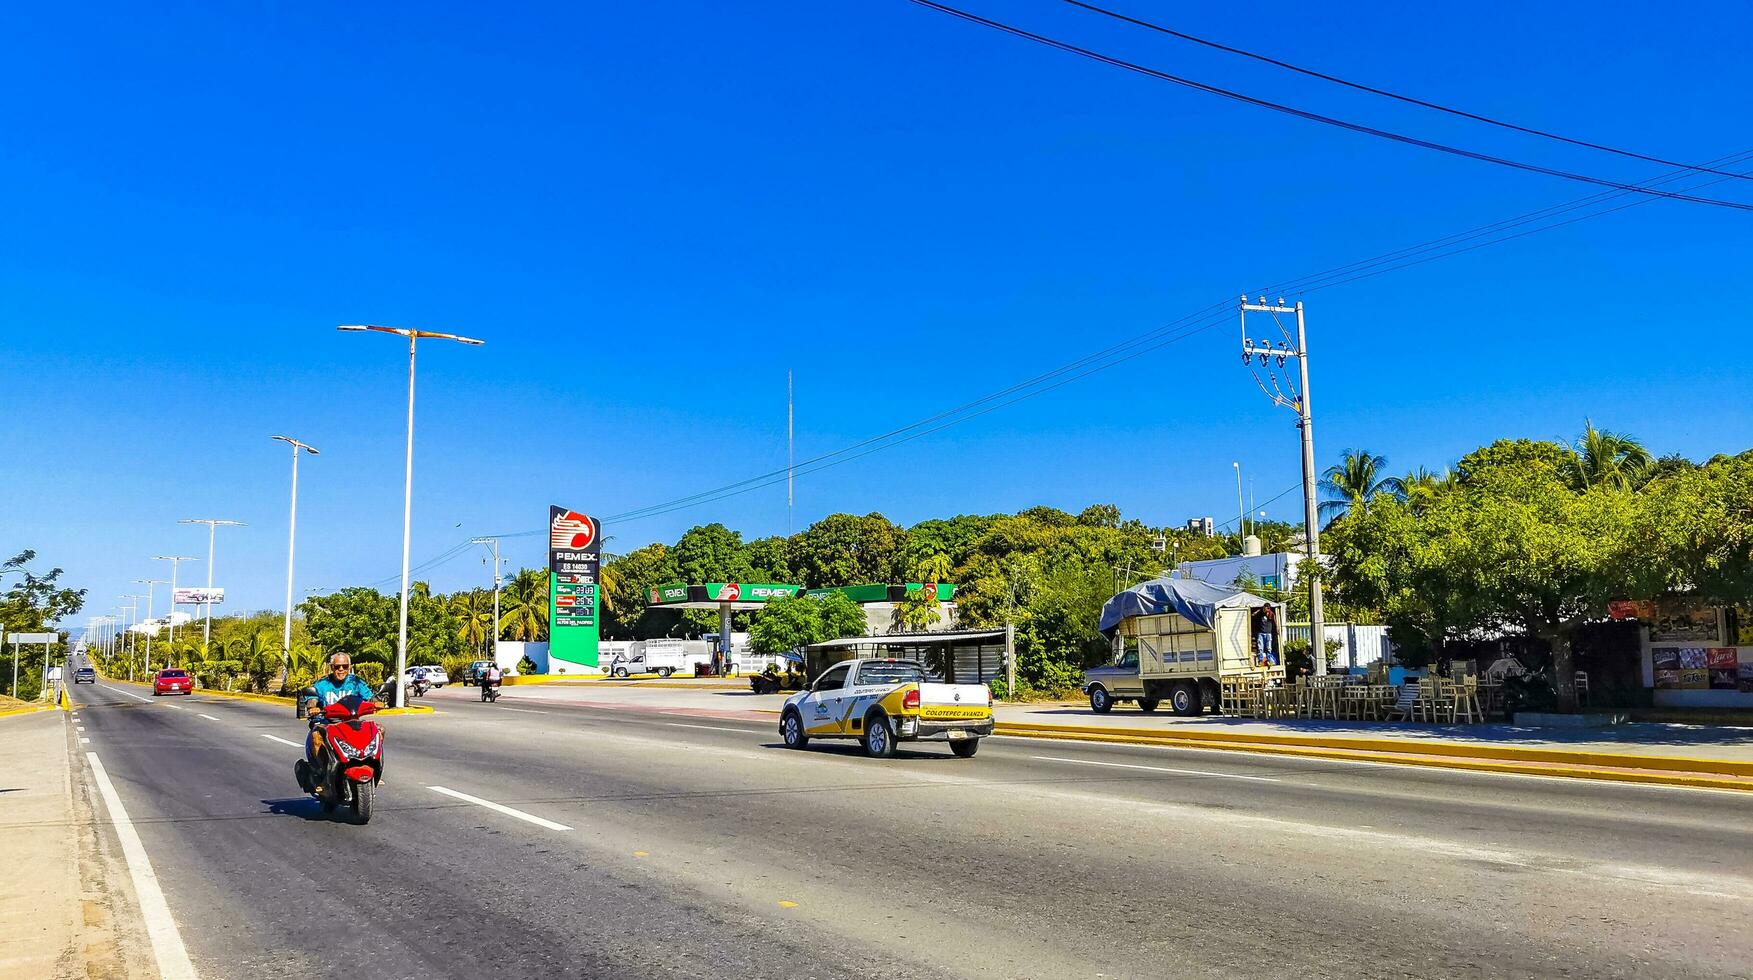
[911, 639]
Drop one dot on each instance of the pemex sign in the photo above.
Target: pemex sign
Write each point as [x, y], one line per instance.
[575, 550]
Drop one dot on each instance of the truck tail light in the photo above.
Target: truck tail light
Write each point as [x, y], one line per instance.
[911, 698]
[989, 697]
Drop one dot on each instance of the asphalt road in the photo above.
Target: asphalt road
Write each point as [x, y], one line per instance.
[691, 847]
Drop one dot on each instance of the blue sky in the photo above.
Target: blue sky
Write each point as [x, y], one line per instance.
[651, 211]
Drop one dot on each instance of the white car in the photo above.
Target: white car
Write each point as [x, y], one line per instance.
[433, 673]
[881, 702]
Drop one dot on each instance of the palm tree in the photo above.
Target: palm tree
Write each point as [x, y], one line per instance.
[524, 606]
[1354, 481]
[1601, 457]
[1421, 484]
[475, 612]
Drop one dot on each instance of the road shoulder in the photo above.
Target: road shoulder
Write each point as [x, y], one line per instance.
[66, 910]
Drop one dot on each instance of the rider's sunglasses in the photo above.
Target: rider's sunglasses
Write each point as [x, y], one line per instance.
[340, 666]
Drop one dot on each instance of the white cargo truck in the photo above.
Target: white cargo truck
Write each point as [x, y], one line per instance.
[1177, 640]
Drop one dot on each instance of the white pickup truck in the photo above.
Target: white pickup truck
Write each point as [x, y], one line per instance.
[883, 702]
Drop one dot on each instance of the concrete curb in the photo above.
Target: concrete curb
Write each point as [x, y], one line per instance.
[1463, 750]
[30, 709]
[1644, 776]
[637, 680]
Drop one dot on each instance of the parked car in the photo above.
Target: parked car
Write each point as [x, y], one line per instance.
[472, 675]
[434, 674]
[172, 680]
[84, 675]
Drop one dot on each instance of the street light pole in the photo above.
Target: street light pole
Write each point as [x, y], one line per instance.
[152, 585]
[212, 527]
[174, 560]
[495, 543]
[291, 543]
[414, 336]
[1241, 511]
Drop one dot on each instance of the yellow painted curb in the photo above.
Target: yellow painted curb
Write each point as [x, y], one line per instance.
[1398, 758]
[636, 680]
[27, 710]
[413, 709]
[1501, 753]
[249, 696]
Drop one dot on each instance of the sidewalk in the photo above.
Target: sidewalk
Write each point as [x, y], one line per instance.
[58, 911]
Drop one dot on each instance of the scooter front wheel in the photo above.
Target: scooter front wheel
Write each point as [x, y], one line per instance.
[364, 800]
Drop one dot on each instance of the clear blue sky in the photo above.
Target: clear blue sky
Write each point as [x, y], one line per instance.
[650, 211]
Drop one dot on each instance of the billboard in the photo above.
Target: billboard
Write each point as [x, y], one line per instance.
[575, 549]
[197, 597]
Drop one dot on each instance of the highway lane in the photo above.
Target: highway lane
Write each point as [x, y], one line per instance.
[699, 845]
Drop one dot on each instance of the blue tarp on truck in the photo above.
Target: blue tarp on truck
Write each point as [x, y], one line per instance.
[1193, 600]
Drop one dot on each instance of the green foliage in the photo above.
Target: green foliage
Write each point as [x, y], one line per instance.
[523, 606]
[371, 673]
[798, 621]
[1354, 481]
[527, 666]
[843, 549]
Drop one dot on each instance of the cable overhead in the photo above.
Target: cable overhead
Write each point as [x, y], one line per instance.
[1410, 100]
[1324, 119]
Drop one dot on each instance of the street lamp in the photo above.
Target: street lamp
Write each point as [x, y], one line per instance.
[414, 336]
[212, 526]
[291, 542]
[128, 630]
[151, 587]
[174, 560]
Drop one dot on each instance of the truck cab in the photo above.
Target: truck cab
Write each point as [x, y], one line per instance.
[1117, 681]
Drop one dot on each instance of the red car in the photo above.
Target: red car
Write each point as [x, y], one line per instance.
[171, 680]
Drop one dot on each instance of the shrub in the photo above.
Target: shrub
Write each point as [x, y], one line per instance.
[527, 666]
[455, 666]
[371, 674]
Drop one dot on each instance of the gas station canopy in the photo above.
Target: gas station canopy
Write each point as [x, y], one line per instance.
[737, 597]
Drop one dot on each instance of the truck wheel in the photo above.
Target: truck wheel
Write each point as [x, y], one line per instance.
[1210, 697]
[965, 748]
[879, 739]
[791, 729]
[620, 672]
[1100, 702]
[664, 672]
[1184, 699]
[1147, 705]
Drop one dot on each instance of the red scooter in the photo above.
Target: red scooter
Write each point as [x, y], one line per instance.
[351, 764]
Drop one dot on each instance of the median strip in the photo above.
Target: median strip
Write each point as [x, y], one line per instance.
[1617, 767]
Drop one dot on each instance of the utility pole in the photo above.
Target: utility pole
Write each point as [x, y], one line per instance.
[496, 580]
[790, 459]
[1294, 395]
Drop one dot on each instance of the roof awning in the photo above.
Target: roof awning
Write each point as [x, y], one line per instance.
[911, 639]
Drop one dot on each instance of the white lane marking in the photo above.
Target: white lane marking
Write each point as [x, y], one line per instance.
[85, 741]
[500, 808]
[716, 728]
[161, 928]
[283, 741]
[524, 711]
[174, 707]
[1182, 772]
[79, 728]
[208, 717]
[131, 694]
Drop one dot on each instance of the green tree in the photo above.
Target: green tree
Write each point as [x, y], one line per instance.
[769, 560]
[844, 549]
[798, 621]
[712, 553]
[523, 606]
[1353, 482]
[474, 613]
[1601, 457]
[626, 604]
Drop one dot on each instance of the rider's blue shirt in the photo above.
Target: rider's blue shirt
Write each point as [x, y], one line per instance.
[328, 692]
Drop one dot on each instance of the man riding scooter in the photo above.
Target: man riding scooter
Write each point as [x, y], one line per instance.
[339, 683]
[490, 678]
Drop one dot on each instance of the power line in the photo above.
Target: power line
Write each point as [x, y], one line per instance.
[1324, 119]
[1410, 100]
